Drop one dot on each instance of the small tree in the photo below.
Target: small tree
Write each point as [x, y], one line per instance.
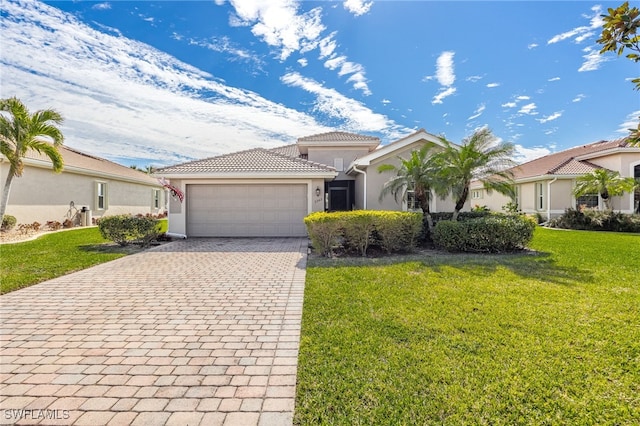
[481, 158]
[605, 182]
[21, 132]
[620, 32]
[419, 174]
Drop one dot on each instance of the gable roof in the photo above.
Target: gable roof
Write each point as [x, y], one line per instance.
[76, 161]
[257, 162]
[396, 146]
[573, 161]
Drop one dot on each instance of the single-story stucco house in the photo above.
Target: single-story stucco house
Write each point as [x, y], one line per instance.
[268, 192]
[545, 185]
[101, 186]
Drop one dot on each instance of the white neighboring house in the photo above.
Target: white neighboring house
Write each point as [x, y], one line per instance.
[101, 186]
[545, 185]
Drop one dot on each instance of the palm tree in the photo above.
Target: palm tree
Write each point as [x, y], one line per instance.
[481, 157]
[21, 132]
[605, 182]
[417, 174]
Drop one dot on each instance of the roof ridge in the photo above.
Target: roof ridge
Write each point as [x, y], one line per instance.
[300, 160]
[199, 160]
[340, 132]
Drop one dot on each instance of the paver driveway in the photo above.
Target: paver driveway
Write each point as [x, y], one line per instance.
[202, 331]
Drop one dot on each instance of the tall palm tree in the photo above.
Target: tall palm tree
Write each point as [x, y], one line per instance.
[21, 132]
[605, 182]
[480, 157]
[417, 174]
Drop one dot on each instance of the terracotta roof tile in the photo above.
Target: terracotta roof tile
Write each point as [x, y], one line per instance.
[338, 137]
[564, 162]
[288, 150]
[79, 160]
[258, 160]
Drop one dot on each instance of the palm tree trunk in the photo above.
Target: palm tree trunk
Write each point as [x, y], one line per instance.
[5, 194]
[460, 202]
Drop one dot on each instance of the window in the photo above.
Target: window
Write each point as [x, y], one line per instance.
[338, 163]
[476, 195]
[412, 201]
[155, 203]
[540, 195]
[589, 201]
[102, 200]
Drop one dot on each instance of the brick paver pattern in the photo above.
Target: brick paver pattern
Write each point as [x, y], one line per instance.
[194, 332]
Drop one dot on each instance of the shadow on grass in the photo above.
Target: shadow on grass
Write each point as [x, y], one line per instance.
[110, 248]
[534, 265]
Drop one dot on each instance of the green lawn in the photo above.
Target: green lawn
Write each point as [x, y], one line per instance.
[551, 338]
[53, 255]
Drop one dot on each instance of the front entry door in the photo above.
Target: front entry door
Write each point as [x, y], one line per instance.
[338, 200]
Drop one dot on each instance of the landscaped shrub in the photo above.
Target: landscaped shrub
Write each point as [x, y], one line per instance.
[8, 222]
[494, 234]
[357, 230]
[398, 231]
[597, 220]
[126, 229]
[325, 230]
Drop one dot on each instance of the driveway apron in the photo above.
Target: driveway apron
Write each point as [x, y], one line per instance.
[194, 332]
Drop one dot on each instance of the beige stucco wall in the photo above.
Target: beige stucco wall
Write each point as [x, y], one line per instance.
[494, 201]
[328, 155]
[41, 195]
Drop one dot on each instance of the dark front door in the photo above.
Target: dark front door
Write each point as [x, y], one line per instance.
[338, 199]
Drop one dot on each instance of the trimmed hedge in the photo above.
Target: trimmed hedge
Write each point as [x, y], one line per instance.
[492, 234]
[8, 222]
[126, 229]
[597, 220]
[391, 230]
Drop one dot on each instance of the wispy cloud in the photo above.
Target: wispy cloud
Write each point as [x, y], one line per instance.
[478, 112]
[532, 46]
[357, 7]
[630, 122]
[551, 117]
[225, 45]
[445, 75]
[554, 79]
[578, 98]
[528, 109]
[354, 115]
[592, 59]
[123, 99]
[523, 155]
[492, 85]
[101, 6]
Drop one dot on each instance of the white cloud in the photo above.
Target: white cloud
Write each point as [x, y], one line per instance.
[303, 62]
[492, 85]
[529, 109]
[581, 33]
[473, 78]
[443, 93]
[522, 98]
[101, 6]
[478, 112]
[386, 101]
[444, 69]
[357, 7]
[523, 155]
[592, 60]
[578, 98]
[123, 99]
[327, 46]
[532, 46]
[509, 105]
[224, 45]
[554, 79]
[630, 122]
[551, 117]
[356, 116]
[335, 62]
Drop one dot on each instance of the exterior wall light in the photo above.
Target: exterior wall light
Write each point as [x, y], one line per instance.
[318, 192]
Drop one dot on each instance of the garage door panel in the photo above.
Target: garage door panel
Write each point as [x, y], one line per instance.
[258, 210]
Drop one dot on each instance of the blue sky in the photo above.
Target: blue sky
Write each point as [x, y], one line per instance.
[161, 82]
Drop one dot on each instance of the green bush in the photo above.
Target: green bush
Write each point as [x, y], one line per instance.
[126, 229]
[597, 220]
[493, 234]
[357, 230]
[325, 230]
[8, 222]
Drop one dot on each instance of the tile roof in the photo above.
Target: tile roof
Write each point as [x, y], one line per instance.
[288, 150]
[79, 161]
[565, 162]
[339, 137]
[257, 160]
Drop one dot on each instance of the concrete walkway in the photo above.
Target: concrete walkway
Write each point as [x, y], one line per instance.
[195, 332]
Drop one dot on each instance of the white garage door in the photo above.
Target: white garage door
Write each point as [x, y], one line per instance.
[255, 210]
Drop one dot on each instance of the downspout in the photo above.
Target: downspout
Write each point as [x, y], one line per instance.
[549, 197]
[364, 187]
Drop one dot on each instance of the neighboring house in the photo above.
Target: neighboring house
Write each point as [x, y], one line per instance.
[99, 185]
[268, 192]
[545, 185]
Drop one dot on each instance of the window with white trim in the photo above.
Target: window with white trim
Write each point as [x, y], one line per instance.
[588, 201]
[412, 201]
[476, 194]
[540, 196]
[102, 196]
[155, 198]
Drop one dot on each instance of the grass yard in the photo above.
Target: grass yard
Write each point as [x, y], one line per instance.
[55, 254]
[551, 338]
